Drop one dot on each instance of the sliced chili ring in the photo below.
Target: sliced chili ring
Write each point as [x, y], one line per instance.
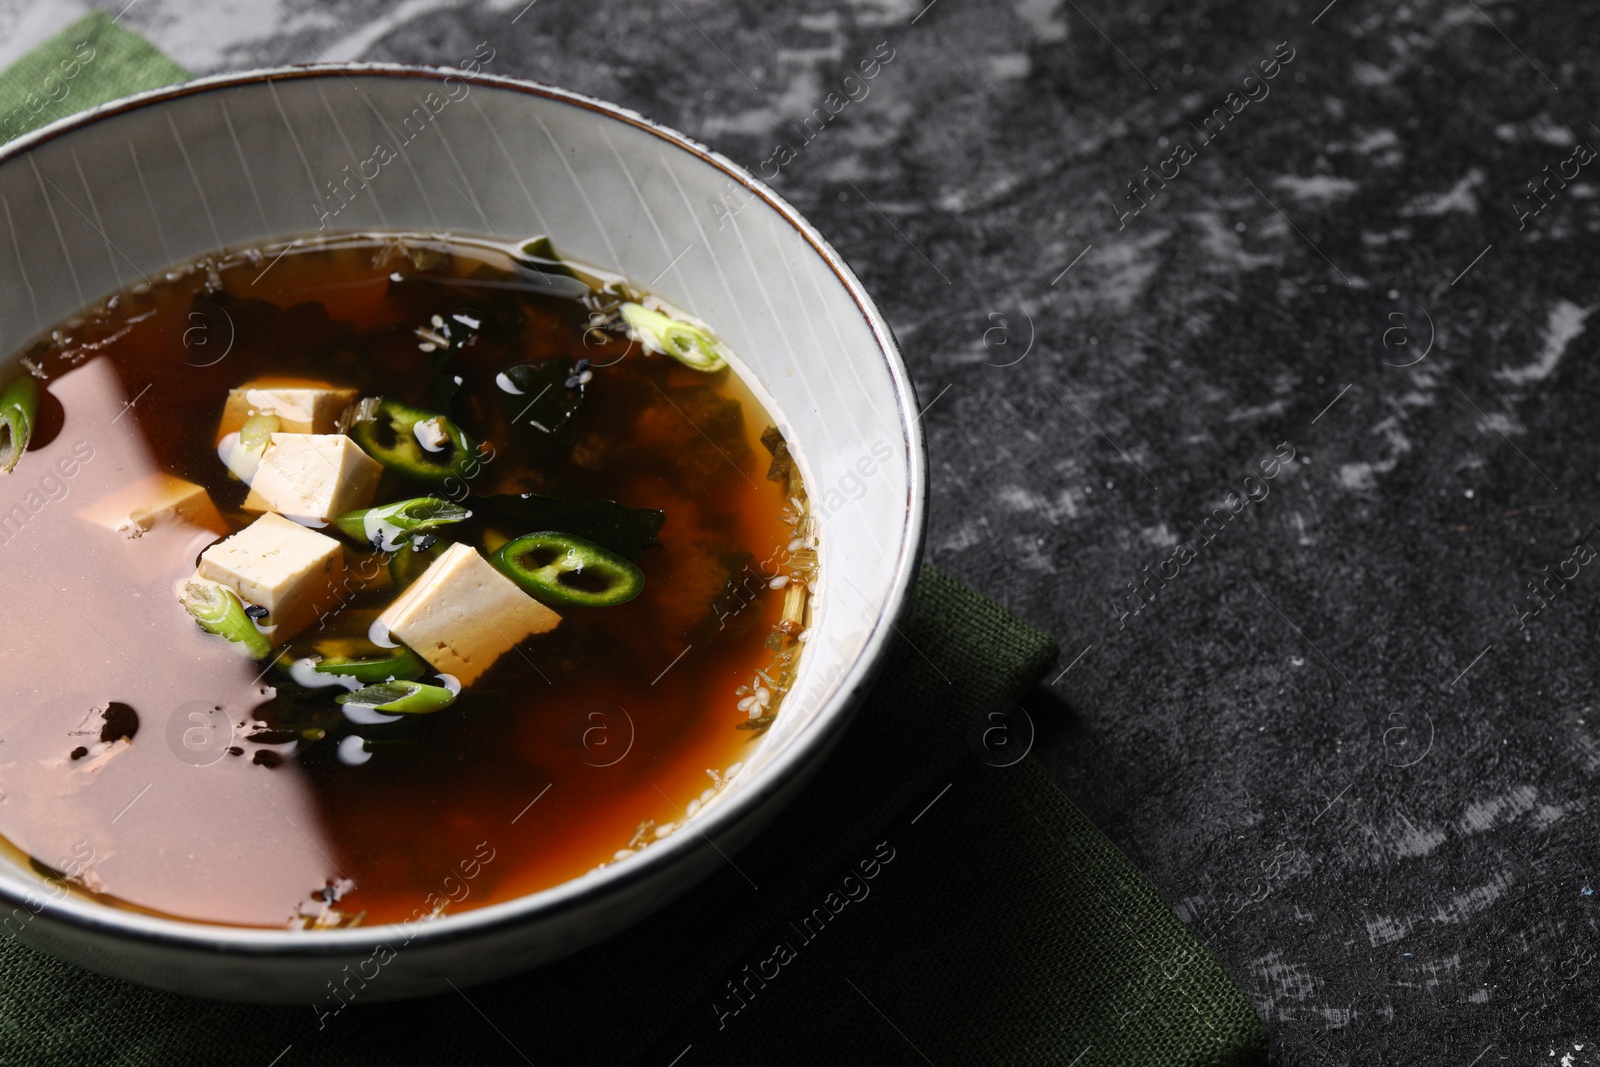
[566, 571]
[419, 444]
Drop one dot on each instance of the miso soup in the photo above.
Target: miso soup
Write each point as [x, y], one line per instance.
[381, 577]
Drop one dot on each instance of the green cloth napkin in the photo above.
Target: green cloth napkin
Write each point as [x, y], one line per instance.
[88, 63]
[914, 905]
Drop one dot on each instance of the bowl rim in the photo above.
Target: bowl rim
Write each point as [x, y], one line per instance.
[835, 708]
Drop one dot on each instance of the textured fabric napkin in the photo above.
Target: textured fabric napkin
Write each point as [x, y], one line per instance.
[916, 904]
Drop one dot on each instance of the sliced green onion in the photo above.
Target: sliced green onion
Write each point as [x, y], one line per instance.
[254, 437]
[693, 346]
[19, 408]
[381, 666]
[386, 528]
[414, 698]
[567, 571]
[219, 611]
[389, 432]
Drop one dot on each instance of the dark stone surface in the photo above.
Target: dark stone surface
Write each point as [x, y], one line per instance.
[1330, 741]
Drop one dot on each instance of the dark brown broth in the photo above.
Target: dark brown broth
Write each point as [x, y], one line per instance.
[524, 782]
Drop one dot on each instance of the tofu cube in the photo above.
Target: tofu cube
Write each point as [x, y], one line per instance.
[312, 478]
[301, 406]
[462, 614]
[158, 499]
[295, 573]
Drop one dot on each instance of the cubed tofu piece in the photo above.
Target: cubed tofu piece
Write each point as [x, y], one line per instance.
[462, 614]
[301, 406]
[157, 499]
[313, 478]
[295, 573]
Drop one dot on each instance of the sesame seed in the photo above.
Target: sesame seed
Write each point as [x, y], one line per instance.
[779, 582]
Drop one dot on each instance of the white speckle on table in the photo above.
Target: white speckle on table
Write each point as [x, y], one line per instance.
[882, 12]
[1126, 266]
[1459, 197]
[1225, 248]
[1565, 323]
[1377, 141]
[965, 536]
[1299, 523]
[1276, 407]
[1486, 814]
[1282, 981]
[1418, 841]
[1473, 901]
[1386, 931]
[1553, 813]
[1046, 18]
[1010, 66]
[1357, 476]
[1020, 499]
[1540, 128]
[1158, 535]
[1369, 76]
[1316, 188]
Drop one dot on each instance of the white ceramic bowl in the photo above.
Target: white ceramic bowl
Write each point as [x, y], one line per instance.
[239, 160]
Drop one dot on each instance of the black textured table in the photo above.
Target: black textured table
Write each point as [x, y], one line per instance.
[1339, 707]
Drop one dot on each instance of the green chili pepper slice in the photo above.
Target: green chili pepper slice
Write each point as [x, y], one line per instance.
[414, 556]
[19, 408]
[415, 698]
[387, 527]
[562, 570]
[219, 611]
[423, 445]
[380, 666]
